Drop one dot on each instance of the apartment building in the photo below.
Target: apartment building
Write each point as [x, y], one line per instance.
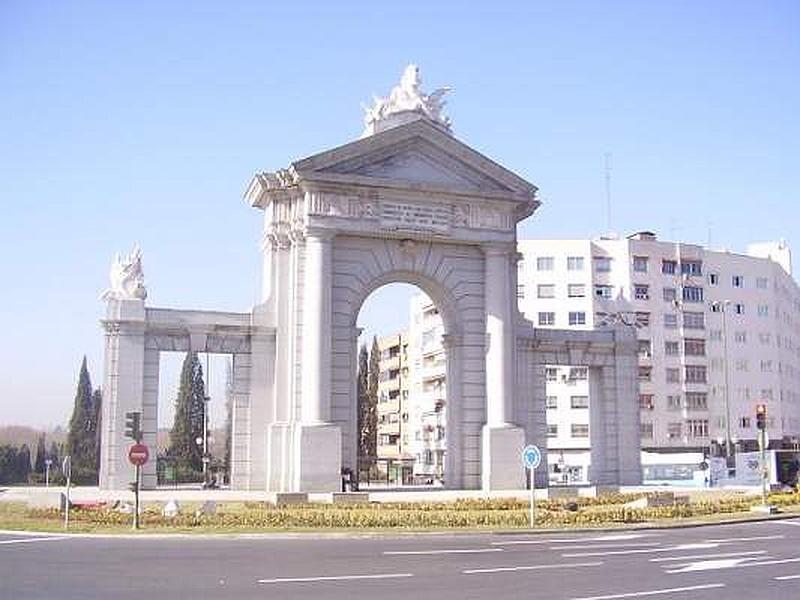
[393, 390]
[718, 333]
[427, 415]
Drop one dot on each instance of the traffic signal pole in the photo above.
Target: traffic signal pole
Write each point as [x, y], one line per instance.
[137, 473]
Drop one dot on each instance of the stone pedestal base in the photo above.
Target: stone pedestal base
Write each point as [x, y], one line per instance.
[502, 458]
[318, 458]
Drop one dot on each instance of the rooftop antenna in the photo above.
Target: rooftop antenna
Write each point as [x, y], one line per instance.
[607, 161]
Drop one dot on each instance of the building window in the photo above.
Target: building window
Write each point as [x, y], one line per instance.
[691, 267]
[640, 264]
[547, 318]
[670, 295]
[545, 263]
[574, 263]
[715, 335]
[577, 318]
[716, 307]
[603, 291]
[602, 264]
[672, 348]
[695, 374]
[578, 373]
[737, 281]
[761, 283]
[580, 431]
[552, 431]
[713, 278]
[670, 321]
[738, 308]
[673, 402]
[694, 347]
[766, 366]
[645, 349]
[520, 291]
[694, 320]
[742, 364]
[765, 338]
[697, 428]
[668, 267]
[551, 402]
[641, 292]
[551, 374]
[643, 319]
[740, 337]
[645, 373]
[576, 290]
[546, 290]
[763, 310]
[692, 294]
[646, 402]
[766, 393]
[673, 375]
[696, 401]
[579, 401]
[674, 430]
[646, 431]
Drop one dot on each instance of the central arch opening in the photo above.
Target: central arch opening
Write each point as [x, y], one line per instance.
[401, 390]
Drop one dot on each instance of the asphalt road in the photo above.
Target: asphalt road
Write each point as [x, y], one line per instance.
[755, 561]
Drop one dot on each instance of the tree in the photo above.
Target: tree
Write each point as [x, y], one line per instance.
[362, 379]
[97, 407]
[188, 425]
[38, 464]
[229, 386]
[23, 463]
[81, 439]
[371, 418]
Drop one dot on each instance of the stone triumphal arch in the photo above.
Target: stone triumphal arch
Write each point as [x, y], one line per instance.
[407, 202]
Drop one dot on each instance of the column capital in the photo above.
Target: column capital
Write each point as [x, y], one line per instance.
[498, 248]
[319, 234]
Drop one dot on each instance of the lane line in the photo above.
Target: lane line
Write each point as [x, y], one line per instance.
[36, 539]
[795, 523]
[701, 556]
[757, 538]
[335, 578]
[736, 565]
[641, 550]
[691, 588]
[531, 568]
[787, 577]
[452, 551]
[602, 538]
[607, 546]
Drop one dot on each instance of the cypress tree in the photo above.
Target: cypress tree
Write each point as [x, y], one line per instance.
[228, 419]
[38, 464]
[82, 430]
[362, 383]
[372, 399]
[23, 464]
[188, 424]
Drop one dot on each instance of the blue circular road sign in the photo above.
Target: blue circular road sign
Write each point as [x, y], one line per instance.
[531, 456]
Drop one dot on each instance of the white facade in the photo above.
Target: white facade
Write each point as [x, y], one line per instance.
[701, 316]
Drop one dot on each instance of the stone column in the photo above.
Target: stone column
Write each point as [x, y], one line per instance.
[123, 388]
[502, 440]
[318, 446]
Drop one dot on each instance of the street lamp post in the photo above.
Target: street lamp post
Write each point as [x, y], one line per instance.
[47, 463]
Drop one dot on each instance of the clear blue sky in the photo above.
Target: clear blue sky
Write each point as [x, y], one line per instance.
[143, 122]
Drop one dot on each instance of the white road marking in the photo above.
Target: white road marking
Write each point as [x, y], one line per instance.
[700, 556]
[335, 578]
[532, 568]
[757, 538]
[787, 577]
[602, 538]
[36, 539]
[453, 551]
[641, 550]
[723, 564]
[607, 546]
[691, 588]
[795, 523]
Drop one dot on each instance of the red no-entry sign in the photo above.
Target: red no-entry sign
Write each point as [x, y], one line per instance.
[138, 454]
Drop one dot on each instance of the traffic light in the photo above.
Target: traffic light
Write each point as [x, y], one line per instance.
[761, 417]
[133, 425]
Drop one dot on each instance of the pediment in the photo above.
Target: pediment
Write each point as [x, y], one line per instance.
[416, 154]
